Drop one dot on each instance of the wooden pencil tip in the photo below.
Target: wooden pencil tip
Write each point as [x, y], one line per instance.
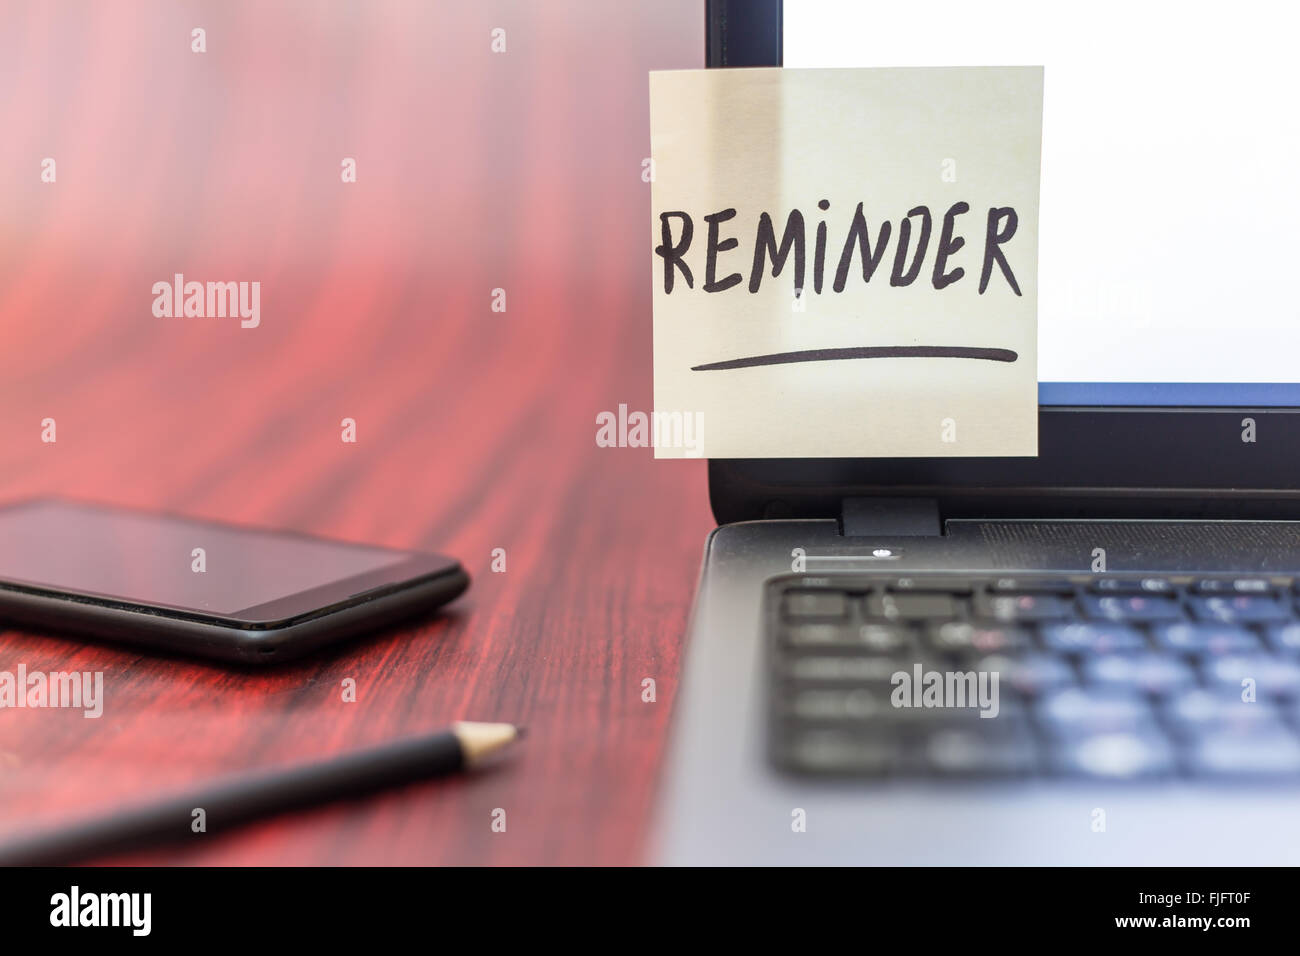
[479, 740]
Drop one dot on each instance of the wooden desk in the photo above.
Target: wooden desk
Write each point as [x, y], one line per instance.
[602, 549]
[476, 429]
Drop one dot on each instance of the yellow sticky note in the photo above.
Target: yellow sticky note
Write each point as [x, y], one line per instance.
[845, 261]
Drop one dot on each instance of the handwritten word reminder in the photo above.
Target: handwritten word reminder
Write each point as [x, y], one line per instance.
[845, 261]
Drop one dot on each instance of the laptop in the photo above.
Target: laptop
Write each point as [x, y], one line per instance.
[1087, 657]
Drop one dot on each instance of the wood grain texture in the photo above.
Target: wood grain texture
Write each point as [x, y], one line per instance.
[476, 430]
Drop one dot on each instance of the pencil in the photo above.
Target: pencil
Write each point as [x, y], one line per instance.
[233, 801]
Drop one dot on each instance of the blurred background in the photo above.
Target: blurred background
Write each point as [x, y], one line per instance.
[476, 170]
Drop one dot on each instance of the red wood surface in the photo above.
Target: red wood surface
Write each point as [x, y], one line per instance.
[476, 429]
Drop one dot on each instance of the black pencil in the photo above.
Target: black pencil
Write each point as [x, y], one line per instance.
[230, 802]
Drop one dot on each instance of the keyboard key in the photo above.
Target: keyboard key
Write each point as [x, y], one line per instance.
[1274, 676]
[1201, 638]
[839, 669]
[1009, 608]
[886, 638]
[1092, 637]
[1146, 672]
[1234, 586]
[870, 638]
[930, 585]
[1132, 607]
[1199, 712]
[1067, 714]
[1062, 586]
[1241, 608]
[839, 705]
[1133, 586]
[1123, 755]
[819, 635]
[876, 705]
[1028, 674]
[841, 751]
[1272, 754]
[968, 636]
[804, 604]
[1003, 749]
[911, 607]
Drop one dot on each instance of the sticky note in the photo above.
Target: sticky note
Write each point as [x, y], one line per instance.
[845, 261]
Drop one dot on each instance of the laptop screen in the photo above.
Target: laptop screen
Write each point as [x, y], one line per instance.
[1170, 196]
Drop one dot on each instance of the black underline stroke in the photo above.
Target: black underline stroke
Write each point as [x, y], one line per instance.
[862, 352]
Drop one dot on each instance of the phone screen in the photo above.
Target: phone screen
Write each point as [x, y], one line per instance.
[174, 562]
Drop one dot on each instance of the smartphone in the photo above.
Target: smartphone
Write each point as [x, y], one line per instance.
[201, 588]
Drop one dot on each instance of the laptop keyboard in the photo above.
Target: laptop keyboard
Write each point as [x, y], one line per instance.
[1095, 676]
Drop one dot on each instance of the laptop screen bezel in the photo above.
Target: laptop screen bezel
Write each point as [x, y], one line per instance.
[1104, 460]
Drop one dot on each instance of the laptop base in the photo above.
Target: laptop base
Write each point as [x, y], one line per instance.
[725, 802]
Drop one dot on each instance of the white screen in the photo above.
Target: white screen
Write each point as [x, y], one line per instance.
[1170, 192]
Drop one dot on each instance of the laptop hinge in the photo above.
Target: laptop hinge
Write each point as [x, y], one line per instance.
[881, 517]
